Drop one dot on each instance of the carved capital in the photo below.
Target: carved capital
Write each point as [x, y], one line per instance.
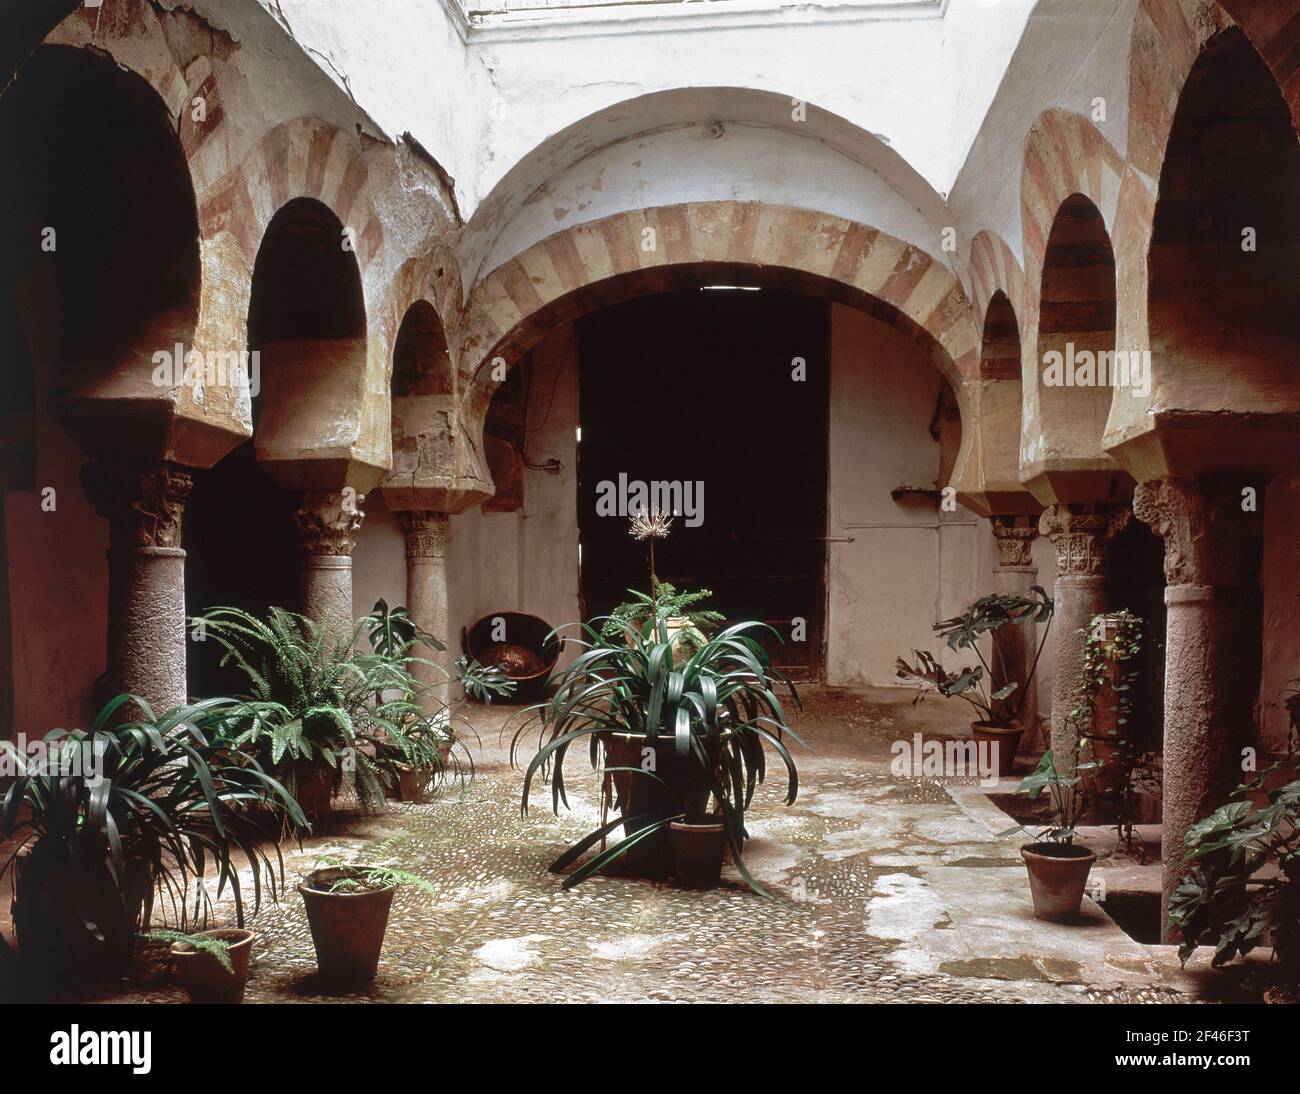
[144, 505]
[1210, 530]
[327, 522]
[1015, 536]
[426, 533]
[1080, 535]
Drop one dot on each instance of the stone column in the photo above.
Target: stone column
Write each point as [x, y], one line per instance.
[327, 522]
[144, 505]
[1080, 537]
[1212, 647]
[426, 596]
[1014, 575]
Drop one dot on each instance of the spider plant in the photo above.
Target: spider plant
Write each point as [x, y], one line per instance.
[717, 711]
[1001, 706]
[152, 807]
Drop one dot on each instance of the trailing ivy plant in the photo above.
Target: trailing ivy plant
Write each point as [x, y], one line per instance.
[1114, 661]
[1243, 888]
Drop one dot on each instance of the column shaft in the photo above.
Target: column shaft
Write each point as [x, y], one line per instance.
[1014, 646]
[327, 523]
[1212, 649]
[146, 574]
[426, 598]
[1080, 539]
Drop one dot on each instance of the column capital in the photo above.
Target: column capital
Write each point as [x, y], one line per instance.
[1080, 535]
[143, 503]
[327, 521]
[426, 533]
[1015, 536]
[1210, 536]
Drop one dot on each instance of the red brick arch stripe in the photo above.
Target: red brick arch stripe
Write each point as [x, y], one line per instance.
[1064, 154]
[604, 262]
[993, 268]
[304, 157]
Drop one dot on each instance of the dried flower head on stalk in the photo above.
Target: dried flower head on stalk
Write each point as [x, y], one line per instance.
[650, 525]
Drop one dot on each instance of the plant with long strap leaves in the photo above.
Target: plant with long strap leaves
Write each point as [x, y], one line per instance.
[168, 794]
[719, 708]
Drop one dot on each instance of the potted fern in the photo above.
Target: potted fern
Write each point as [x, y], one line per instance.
[348, 908]
[998, 725]
[316, 709]
[688, 625]
[213, 965]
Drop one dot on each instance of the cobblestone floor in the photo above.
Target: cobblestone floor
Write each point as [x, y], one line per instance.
[883, 890]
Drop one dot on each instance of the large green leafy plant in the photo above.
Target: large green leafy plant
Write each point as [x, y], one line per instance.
[974, 684]
[314, 700]
[718, 708]
[126, 812]
[1243, 888]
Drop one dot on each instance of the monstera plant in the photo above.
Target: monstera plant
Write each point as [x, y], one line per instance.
[999, 708]
[683, 744]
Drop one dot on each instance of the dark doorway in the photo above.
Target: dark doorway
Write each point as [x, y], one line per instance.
[240, 553]
[699, 387]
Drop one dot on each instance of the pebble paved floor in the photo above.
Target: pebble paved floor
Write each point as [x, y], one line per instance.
[886, 889]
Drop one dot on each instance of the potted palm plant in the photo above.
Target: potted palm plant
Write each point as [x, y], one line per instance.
[999, 709]
[1058, 867]
[128, 811]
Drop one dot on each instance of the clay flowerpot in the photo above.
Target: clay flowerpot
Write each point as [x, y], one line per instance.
[313, 788]
[644, 800]
[53, 898]
[413, 782]
[1058, 875]
[697, 853]
[347, 928]
[203, 975]
[1001, 742]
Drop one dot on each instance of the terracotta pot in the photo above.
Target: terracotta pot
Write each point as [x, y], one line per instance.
[347, 928]
[697, 853]
[1058, 875]
[644, 800]
[1002, 742]
[312, 788]
[413, 782]
[202, 973]
[50, 898]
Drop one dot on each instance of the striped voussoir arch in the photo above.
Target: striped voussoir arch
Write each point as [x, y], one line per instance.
[994, 268]
[1274, 30]
[301, 158]
[1064, 154]
[659, 249]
